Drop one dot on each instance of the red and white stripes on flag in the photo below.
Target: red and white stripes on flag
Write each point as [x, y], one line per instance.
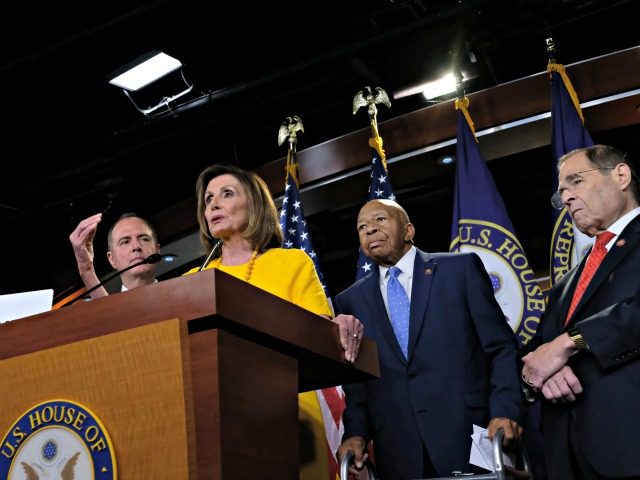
[296, 235]
[332, 405]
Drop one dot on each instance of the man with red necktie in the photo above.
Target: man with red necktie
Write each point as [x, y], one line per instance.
[585, 360]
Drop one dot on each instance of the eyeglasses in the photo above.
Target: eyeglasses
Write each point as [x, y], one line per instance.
[572, 183]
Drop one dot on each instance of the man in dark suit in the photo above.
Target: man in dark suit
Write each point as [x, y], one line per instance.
[585, 360]
[460, 366]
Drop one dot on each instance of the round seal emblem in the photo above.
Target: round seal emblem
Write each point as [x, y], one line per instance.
[514, 284]
[58, 439]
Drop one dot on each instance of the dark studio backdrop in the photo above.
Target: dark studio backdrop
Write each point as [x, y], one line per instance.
[73, 145]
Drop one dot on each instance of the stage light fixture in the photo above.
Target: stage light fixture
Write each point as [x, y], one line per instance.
[444, 85]
[435, 90]
[155, 69]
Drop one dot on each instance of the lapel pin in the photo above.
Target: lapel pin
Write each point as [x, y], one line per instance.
[621, 242]
[428, 271]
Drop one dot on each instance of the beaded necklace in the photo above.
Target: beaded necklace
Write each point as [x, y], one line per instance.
[252, 262]
[250, 265]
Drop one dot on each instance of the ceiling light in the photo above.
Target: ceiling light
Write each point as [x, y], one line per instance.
[145, 70]
[150, 69]
[440, 87]
[446, 160]
[433, 89]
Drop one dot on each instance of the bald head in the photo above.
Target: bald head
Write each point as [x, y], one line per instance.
[393, 206]
[385, 231]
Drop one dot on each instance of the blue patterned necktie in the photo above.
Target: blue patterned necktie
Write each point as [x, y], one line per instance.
[398, 303]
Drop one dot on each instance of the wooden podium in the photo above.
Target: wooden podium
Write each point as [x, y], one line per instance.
[193, 378]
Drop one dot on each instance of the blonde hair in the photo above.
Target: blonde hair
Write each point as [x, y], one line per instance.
[263, 230]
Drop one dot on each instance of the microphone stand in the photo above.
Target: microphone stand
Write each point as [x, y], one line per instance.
[153, 258]
[215, 247]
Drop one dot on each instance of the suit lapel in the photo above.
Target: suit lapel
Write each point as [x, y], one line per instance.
[567, 292]
[424, 268]
[624, 244]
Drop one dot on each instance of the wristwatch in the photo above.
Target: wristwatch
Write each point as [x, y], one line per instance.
[577, 339]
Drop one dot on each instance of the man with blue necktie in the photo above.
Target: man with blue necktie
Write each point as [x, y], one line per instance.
[584, 363]
[448, 358]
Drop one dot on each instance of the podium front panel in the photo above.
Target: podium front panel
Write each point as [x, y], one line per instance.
[137, 383]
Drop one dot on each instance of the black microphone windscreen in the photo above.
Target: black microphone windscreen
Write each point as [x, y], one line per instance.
[153, 258]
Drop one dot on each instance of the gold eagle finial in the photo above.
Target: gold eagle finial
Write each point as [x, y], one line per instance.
[288, 129]
[369, 99]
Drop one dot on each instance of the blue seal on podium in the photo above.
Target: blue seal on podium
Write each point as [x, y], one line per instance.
[57, 439]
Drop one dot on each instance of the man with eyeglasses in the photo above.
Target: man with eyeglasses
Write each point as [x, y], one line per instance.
[584, 362]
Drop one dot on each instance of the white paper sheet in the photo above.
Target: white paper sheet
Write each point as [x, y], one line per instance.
[19, 305]
[481, 454]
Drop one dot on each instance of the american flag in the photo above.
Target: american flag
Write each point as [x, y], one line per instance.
[379, 188]
[296, 235]
[292, 220]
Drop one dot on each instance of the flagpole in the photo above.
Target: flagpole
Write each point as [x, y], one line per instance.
[380, 184]
[326, 405]
[367, 98]
[568, 244]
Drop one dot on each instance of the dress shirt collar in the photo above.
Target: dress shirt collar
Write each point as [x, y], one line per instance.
[124, 289]
[405, 264]
[619, 225]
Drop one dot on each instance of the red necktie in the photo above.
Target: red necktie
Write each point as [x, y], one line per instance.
[593, 262]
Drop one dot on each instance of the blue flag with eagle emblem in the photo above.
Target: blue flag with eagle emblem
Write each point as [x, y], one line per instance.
[568, 244]
[379, 188]
[481, 225]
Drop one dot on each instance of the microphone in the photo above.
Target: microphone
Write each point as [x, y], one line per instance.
[215, 247]
[151, 259]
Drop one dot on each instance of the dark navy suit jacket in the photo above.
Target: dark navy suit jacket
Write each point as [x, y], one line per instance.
[605, 419]
[462, 367]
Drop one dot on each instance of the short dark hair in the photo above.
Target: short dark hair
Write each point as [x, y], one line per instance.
[606, 156]
[263, 230]
[154, 235]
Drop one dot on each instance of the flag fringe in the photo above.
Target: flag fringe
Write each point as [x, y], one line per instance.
[462, 104]
[376, 143]
[291, 168]
[559, 69]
